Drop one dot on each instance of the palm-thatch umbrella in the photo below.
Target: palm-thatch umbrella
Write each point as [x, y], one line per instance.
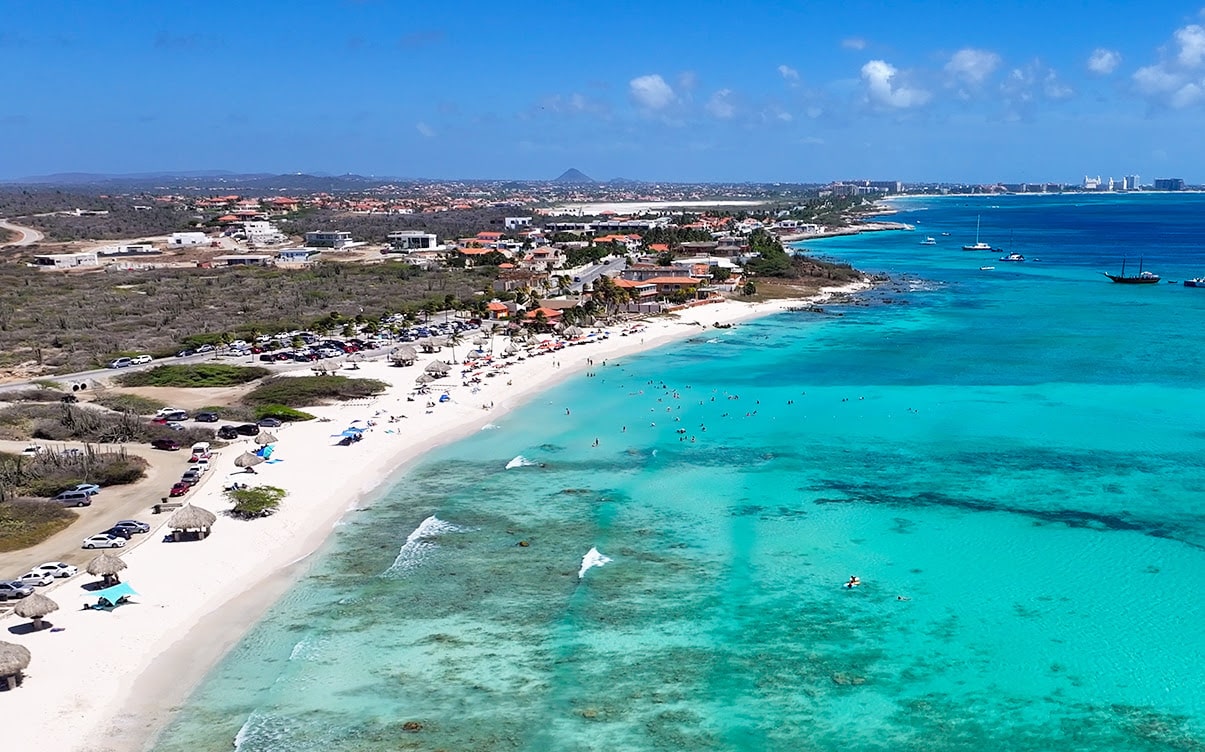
[106, 565]
[403, 356]
[572, 331]
[479, 340]
[424, 378]
[247, 459]
[265, 438]
[190, 519]
[13, 660]
[438, 368]
[510, 349]
[36, 607]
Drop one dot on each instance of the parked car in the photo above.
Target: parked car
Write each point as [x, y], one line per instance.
[36, 579]
[173, 425]
[185, 353]
[120, 532]
[206, 417]
[268, 358]
[205, 349]
[227, 433]
[200, 463]
[88, 488]
[31, 450]
[104, 540]
[141, 360]
[192, 477]
[173, 415]
[74, 498]
[14, 589]
[121, 363]
[133, 526]
[269, 422]
[247, 429]
[179, 489]
[58, 569]
[167, 445]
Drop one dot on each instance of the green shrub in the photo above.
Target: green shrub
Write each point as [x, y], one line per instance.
[129, 403]
[32, 395]
[200, 375]
[282, 413]
[49, 473]
[298, 391]
[64, 422]
[24, 523]
[259, 501]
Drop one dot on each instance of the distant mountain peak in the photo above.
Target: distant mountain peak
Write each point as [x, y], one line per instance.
[574, 175]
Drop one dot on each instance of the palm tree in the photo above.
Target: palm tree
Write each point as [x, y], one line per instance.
[453, 340]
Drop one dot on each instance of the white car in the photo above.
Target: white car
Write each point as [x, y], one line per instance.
[57, 569]
[104, 540]
[141, 360]
[201, 464]
[36, 578]
[165, 411]
[31, 450]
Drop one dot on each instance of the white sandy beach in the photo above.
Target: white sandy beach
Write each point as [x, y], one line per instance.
[109, 680]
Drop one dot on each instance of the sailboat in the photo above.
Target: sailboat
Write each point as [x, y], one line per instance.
[978, 246]
[1142, 278]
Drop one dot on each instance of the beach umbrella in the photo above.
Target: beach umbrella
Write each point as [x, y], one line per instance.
[572, 331]
[510, 349]
[105, 565]
[247, 459]
[424, 378]
[13, 660]
[403, 356]
[265, 438]
[189, 517]
[437, 367]
[479, 340]
[35, 607]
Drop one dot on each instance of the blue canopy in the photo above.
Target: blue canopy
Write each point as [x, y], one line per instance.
[111, 594]
[265, 451]
[351, 432]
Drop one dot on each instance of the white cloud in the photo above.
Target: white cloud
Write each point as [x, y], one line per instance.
[1177, 80]
[853, 43]
[1024, 87]
[720, 105]
[651, 92]
[882, 89]
[425, 129]
[971, 66]
[1192, 45]
[1103, 62]
[789, 74]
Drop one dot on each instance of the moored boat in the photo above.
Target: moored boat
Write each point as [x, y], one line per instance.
[1142, 278]
[977, 245]
[1013, 257]
[1196, 282]
[929, 241]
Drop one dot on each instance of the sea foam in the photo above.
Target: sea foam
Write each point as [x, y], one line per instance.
[519, 461]
[419, 544]
[593, 558]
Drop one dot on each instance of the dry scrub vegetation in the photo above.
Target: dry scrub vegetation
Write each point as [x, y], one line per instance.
[69, 322]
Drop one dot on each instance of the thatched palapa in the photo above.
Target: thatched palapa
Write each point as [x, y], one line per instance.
[106, 565]
[14, 659]
[265, 438]
[438, 368]
[36, 607]
[191, 522]
[248, 459]
[403, 356]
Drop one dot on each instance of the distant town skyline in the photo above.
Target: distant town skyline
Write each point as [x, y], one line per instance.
[692, 92]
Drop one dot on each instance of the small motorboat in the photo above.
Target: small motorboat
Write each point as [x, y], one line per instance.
[929, 241]
[1013, 257]
[987, 268]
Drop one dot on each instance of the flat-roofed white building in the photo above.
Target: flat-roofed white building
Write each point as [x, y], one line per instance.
[188, 239]
[512, 223]
[411, 241]
[328, 239]
[243, 259]
[67, 260]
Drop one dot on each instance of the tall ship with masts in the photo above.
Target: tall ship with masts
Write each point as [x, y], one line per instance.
[1142, 278]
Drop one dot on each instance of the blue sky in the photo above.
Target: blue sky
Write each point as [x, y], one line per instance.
[675, 90]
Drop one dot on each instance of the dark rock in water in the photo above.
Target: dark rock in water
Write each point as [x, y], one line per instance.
[412, 726]
[523, 544]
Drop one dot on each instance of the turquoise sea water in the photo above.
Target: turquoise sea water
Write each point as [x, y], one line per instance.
[1016, 453]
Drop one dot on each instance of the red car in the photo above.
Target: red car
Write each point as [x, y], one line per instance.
[179, 489]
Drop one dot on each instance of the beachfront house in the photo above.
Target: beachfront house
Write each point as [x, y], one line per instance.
[295, 255]
[243, 259]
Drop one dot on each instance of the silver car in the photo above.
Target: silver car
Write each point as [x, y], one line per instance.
[36, 579]
[14, 589]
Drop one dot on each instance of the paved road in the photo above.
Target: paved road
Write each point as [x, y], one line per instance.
[592, 273]
[29, 236]
[113, 503]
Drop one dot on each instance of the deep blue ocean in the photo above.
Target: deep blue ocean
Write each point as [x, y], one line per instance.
[1009, 459]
